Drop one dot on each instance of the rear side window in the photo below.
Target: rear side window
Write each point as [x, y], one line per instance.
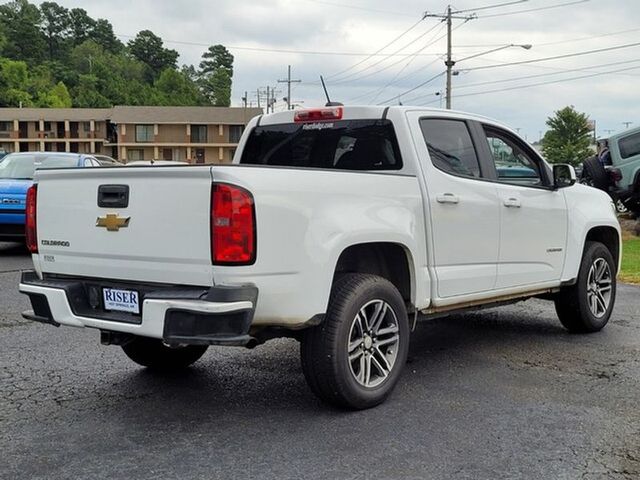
[344, 145]
[629, 146]
[450, 146]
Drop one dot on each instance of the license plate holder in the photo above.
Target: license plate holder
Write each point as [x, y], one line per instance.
[121, 300]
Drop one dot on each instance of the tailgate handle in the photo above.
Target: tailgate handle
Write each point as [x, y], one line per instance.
[113, 196]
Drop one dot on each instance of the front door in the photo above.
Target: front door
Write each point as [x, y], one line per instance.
[464, 210]
[533, 216]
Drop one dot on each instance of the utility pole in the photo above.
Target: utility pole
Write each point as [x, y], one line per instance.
[288, 81]
[626, 124]
[449, 62]
[258, 96]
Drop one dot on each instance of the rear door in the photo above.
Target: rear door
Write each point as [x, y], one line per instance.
[533, 216]
[464, 210]
[129, 223]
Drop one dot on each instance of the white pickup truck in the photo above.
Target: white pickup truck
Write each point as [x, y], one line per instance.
[337, 226]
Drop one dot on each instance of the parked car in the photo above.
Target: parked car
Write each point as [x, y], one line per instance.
[619, 175]
[107, 161]
[339, 227]
[16, 176]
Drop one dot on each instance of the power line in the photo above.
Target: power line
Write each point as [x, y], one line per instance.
[430, 42]
[412, 89]
[377, 51]
[560, 72]
[556, 57]
[548, 7]
[528, 77]
[498, 5]
[282, 50]
[518, 87]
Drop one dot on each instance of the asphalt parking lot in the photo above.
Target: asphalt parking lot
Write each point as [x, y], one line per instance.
[504, 393]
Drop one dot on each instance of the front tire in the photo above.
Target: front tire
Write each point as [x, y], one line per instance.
[355, 357]
[586, 306]
[153, 354]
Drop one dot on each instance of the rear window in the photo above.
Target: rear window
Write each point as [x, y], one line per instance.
[343, 145]
[630, 146]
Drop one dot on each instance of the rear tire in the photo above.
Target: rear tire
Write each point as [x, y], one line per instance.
[355, 357]
[153, 354]
[586, 306]
[594, 174]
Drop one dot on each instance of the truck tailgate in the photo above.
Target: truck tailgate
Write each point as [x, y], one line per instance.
[167, 224]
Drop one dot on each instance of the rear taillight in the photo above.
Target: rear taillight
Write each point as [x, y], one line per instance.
[31, 229]
[233, 225]
[615, 175]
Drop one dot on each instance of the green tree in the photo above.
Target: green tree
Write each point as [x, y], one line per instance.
[149, 49]
[14, 76]
[55, 25]
[21, 24]
[216, 87]
[216, 72]
[216, 57]
[103, 35]
[568, 138]
[86, 94]
[176, 88]
[81, 25]
[56, 97]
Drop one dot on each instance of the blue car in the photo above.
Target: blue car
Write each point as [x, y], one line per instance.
[16, 176]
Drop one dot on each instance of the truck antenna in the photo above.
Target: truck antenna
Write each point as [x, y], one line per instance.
[326, 94]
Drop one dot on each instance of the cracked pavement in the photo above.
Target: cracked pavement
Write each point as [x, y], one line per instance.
[502, 393]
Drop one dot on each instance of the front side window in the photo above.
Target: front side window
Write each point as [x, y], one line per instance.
[513, 164]
[343, 144]
[144, 133]
[629, 146]
[450, 146]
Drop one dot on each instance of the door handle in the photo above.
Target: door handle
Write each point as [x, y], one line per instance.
[447, 198]
[512, 202]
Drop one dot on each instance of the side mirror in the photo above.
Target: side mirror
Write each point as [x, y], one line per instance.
[564, 175]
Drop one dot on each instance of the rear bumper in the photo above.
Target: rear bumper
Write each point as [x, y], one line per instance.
[220, 315]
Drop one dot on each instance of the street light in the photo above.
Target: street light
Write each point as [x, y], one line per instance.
[450, 64]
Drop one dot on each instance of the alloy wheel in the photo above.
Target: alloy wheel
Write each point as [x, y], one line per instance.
[599, 287]
[373, 343]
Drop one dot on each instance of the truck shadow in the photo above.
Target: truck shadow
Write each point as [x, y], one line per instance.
[228, 383]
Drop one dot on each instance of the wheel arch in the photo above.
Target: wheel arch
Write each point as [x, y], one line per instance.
[390, 260]
[609, 237]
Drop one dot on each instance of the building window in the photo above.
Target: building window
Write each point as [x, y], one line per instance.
[6, 126]
[235, 132]
[86, 126]
[144, 133]
[47, 126]
[134, 154]
[198, 134]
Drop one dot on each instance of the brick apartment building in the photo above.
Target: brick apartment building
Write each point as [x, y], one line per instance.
[193, 134]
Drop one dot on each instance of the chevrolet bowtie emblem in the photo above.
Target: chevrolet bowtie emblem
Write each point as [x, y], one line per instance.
[112, 222]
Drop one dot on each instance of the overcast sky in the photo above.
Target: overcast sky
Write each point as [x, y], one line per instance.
[365, 26]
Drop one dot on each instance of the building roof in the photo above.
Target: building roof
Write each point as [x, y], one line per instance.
[217, 115]
[122, 114]
[54, 114]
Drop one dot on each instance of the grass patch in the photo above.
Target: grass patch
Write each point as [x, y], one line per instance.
[630, 271]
